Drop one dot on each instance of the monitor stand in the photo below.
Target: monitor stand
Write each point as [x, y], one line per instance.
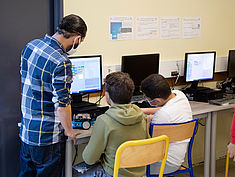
[77, 101]
[192, 92]
[194, 87]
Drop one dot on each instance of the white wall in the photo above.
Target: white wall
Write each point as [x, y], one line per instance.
[218, 27]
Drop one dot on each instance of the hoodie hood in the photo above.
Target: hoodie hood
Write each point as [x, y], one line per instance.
[126, 114]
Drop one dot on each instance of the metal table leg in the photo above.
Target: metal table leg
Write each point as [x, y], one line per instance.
[68, 158]
[207, 146]
[213, 143]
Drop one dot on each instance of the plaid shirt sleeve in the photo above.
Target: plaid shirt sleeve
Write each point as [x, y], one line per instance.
[61, 83]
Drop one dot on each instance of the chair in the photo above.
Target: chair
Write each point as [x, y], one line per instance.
[139, 153]
[176, 132]
[227, 165]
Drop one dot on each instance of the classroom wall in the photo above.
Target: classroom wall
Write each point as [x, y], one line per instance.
[218, 33]
[217, 19]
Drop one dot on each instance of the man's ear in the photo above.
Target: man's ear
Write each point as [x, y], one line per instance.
[107, 97]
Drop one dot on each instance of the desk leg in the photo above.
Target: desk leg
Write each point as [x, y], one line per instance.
[207, 146]
[213, 143]
[68, 158]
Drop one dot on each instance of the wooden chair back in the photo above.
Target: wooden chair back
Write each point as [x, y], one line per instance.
[140, 153]
[175, 132]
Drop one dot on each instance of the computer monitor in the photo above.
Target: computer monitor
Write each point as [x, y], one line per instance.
[231, 64]
[87, 75]
[139, 67]
[199, 66]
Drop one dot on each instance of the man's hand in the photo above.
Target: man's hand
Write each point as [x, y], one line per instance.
[231, 151]
[72, 135]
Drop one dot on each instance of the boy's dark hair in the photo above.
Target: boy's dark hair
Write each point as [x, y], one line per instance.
[72, 25]
[156, 86]
[120, 87]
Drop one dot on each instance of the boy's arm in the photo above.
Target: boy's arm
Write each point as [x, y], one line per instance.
[97, 143]
[149, 111]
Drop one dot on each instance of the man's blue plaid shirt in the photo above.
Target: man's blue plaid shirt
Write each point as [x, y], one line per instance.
[46, 76]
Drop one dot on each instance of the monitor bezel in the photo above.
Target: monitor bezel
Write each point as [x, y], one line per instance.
[89, 56]
[229, 60]
[185, 66]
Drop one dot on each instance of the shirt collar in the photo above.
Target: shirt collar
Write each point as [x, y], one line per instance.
[55, 41]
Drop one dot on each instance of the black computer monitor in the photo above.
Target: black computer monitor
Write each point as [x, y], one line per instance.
[139, 67]
[199, 66]
[231, 64]
[87, 75]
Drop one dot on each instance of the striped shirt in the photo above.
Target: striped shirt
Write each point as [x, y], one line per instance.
[46, 76]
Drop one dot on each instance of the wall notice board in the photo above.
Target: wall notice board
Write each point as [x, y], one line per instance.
[217, 27]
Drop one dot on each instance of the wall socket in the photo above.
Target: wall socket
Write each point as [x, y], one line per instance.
[107, 69]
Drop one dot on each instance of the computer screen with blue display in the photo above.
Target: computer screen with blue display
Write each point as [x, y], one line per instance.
[87, 75]
[199, 66]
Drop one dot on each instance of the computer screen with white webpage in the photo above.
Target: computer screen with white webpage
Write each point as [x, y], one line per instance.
[199, 66]
[87, 74]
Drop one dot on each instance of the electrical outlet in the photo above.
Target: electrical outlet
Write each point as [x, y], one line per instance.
[107, 69]
[174, 73]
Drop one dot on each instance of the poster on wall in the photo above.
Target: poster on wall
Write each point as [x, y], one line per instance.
[170, 27]
[120, 27]
[146, 27]
[191, 27]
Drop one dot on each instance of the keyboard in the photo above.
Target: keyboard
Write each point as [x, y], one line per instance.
[222, 101]
[83, 104]
[143, 104]
[137, 98]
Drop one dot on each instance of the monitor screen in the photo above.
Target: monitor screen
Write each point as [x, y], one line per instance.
[231, 64]
[140, 66]
[87, 74]
[199, 66]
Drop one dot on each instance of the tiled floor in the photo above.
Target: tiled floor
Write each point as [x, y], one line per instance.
[220, 169]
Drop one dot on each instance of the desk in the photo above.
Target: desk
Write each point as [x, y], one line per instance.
[82, 138]
[200, 109]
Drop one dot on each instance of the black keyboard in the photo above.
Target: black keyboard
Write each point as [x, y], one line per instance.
[137, 98]
[222, 101]
[83, 104]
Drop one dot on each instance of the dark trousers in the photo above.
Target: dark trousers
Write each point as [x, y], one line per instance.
[84, 170]
[42, 161]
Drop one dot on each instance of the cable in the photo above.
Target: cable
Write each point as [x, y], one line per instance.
[177, 79]
[101, 96]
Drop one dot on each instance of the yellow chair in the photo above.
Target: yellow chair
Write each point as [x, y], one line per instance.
[139, 153]
[176, 132]
[227, 164]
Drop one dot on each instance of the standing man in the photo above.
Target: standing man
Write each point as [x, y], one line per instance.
[46, 77]
[231, 146]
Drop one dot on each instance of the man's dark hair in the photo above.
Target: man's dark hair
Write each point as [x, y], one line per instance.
[120, 87]
[72, 25]
[156, 86]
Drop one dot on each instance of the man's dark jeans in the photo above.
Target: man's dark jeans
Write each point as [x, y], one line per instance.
[42, 161]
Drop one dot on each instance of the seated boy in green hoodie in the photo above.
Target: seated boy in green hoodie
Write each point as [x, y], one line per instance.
[121, 122]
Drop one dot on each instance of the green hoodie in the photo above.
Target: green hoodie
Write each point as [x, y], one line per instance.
[120, 123]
